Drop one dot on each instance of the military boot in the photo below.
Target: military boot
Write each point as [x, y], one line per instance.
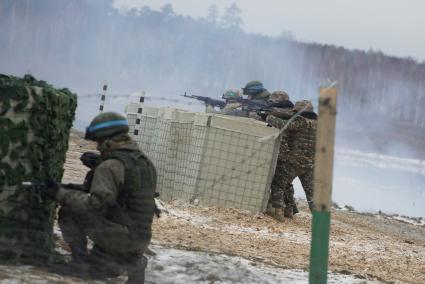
[295, 209]
[289, 212]
[79, 265]
[103, 265]
[136, 271]
[278, 214]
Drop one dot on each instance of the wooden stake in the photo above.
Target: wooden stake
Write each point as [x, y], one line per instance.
[323, 176]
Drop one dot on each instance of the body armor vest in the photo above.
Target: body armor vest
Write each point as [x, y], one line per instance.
[135, 202]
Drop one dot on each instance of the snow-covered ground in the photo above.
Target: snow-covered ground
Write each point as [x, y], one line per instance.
[173, 266]
[362, 159]
[373, 182]
[182, 267]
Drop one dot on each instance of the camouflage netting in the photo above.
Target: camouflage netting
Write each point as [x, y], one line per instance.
[35, 120]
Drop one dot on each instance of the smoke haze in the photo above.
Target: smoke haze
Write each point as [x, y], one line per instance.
[83, 44]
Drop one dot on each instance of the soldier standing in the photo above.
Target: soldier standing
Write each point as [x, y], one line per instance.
[301, 137]
[117, 213]
[282, 108]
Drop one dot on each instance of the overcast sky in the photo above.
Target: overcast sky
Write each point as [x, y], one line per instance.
[397, 27]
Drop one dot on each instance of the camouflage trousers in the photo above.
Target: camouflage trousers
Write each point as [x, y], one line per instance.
[305, 174]
[279, 188]
[282, 190]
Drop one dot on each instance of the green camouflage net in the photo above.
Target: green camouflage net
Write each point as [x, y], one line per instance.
[35, 120]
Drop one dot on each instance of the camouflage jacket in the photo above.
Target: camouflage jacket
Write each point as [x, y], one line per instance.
[283, 148]
[108, 179]
[254, 114]
[120, 206]
[300, 135]
[233, 108]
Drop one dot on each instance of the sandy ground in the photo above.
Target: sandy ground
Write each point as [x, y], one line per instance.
[364, 245]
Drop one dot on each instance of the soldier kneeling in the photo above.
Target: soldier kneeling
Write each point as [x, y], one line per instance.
[117, 212]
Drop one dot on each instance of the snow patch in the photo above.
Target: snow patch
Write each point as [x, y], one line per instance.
[181, 267]
[358, 158]
[405, 219]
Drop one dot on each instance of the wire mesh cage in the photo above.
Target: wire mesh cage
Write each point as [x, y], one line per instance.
[207, 158]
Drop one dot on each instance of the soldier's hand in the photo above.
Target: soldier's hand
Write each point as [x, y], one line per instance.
[90, 159]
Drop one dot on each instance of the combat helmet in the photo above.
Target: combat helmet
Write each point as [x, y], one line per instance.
[231, 95]
[279, 96]
[253, 88]
[106, 124]
[304, 105]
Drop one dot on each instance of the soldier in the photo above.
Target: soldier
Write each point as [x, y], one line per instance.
[117, 213]
[232, 106]
[282, 109]
[301, 136]
[257, 94]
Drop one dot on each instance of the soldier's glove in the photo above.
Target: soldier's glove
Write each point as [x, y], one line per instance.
[90, 159]
[51, 188]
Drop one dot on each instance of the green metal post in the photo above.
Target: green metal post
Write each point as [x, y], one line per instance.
[319, 247]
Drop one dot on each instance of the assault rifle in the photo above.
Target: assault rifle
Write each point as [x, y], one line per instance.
[79, 187]
[207, 100]
[255, 105]
[36, 185]
[89, 159]
[262, 108]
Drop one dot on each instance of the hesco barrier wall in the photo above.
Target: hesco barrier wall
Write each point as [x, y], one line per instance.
[35, 120]
[207, 158]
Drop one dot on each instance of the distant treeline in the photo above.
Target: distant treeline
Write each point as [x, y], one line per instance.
[84, 43]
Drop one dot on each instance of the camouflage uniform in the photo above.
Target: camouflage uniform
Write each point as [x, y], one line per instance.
[117, 214]
[301, 136]
[232, 107]
[261, 98]
[257, 94]
[284, 114]
[278, 186]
